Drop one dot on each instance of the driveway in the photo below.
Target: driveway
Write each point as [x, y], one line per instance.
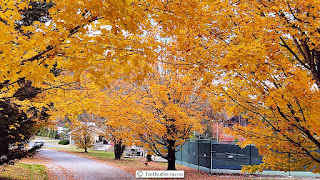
[66, 166]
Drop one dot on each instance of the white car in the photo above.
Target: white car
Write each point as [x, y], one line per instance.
[38, 142]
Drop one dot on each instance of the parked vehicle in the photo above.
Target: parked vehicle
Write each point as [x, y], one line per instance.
[38, 142]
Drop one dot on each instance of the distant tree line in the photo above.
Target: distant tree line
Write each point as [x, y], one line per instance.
[48, 133]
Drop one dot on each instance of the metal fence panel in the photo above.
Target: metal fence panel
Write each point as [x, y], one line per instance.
[227, 156]
[193, 152]
[212, 155]
[179, 155]
[185, 157]
[204, 153]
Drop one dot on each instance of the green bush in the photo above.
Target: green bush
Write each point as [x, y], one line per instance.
[64, 142]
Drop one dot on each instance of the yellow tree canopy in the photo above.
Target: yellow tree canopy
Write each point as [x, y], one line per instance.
[82, 134]
[100, 38]
[159, 113]
[51, 45]
[171, 108]
[114, 105]
[262, 57]
[151, 108]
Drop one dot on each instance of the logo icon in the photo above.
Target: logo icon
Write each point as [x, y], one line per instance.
[139, 174]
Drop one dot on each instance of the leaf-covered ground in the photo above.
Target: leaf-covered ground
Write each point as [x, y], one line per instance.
[131, 165]
[30, 167]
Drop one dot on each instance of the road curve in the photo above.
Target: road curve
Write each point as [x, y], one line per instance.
[80, 168]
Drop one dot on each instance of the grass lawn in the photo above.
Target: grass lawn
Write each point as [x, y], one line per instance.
[42, 137]
[23, 171]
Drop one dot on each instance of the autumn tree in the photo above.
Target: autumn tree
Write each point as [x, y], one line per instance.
[114, 105]
[260, 55]
[260, 59]
[169, 109]
[119, 142]
[159, 113]
[42, 39]
[20, 116]
[214, 123]
[273, 78]
[51, 44]
[82, 134]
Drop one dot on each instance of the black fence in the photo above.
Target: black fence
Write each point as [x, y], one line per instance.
[207, 154]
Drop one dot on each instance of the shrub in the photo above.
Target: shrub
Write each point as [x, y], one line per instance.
[64, 142]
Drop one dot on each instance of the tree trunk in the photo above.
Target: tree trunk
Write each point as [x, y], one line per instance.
[4, 143]
[171, 155]
[118, 149]
[85, 143]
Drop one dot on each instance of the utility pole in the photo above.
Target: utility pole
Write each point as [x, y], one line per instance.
[217, 138]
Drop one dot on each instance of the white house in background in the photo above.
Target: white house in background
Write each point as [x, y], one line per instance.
[96, 131]
[61, 129]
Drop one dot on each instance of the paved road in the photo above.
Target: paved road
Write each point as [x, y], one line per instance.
[68, 166]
